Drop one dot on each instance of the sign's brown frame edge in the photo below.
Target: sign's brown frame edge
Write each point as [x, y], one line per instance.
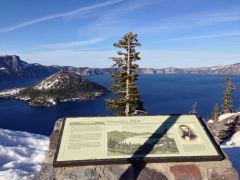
[133, 160]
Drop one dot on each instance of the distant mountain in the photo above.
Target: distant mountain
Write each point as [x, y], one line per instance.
[230, 69]
[60, 87]
[12, 67]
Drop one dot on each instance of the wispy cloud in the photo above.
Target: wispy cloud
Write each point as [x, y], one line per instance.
[122, 18]
[218, 17]
[199, 37]
[193, 20]
[60, 15]
[127, 17]
[72, 44]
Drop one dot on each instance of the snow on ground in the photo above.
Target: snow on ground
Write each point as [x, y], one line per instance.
[234, 140]
[2, 68]
[47, 83]
[227, 115]
[52, 101]
[10, 92]
[210, 121]
[71, 99]
[21, 154]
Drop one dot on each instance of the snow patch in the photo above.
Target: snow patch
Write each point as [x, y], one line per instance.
[227, 115]
[71, 99]
[2, 68]
[52, 101]
[210, 121]
[10, 92]
[21, 154]
[234, 140]
[47, 84]
[26, 98]
[215, 68]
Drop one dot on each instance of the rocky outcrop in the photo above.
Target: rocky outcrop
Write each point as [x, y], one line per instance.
[10, 66]
[154, 171]
[224, 129]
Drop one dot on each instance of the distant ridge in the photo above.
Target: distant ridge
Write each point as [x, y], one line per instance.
[12, 67]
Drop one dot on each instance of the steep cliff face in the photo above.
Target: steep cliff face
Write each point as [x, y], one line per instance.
[12, 67]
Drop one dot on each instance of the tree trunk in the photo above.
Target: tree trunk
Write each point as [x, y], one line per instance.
[127, 108]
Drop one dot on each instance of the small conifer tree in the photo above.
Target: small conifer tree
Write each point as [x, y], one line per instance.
[227, 99]
[215, 113]
[124, 86]
[194, 108]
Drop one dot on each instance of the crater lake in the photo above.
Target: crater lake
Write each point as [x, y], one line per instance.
[161, 94]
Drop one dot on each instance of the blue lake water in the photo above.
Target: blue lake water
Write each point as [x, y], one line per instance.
[161, 94]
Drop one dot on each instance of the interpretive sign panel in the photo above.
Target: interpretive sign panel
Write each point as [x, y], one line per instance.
[111, 140]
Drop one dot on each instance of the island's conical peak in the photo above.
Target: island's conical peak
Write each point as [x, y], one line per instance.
[60, 80]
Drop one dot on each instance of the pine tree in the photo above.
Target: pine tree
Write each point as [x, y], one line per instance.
[124, 86]
[194, 108]
[227, 99]
[215, 113]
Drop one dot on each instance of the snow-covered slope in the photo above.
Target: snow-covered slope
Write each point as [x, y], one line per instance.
[234, 140]
[10, 92]
[228, 115]
[21, 154]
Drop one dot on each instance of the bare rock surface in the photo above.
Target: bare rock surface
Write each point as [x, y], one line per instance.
[221, 173]
[224, 129]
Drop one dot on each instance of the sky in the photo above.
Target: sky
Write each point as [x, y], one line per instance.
[81, 33]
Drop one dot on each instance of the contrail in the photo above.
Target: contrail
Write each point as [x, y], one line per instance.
[205, 36]
[54, 16]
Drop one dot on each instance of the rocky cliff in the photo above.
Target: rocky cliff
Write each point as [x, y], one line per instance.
[11, 66]
[225, 127]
